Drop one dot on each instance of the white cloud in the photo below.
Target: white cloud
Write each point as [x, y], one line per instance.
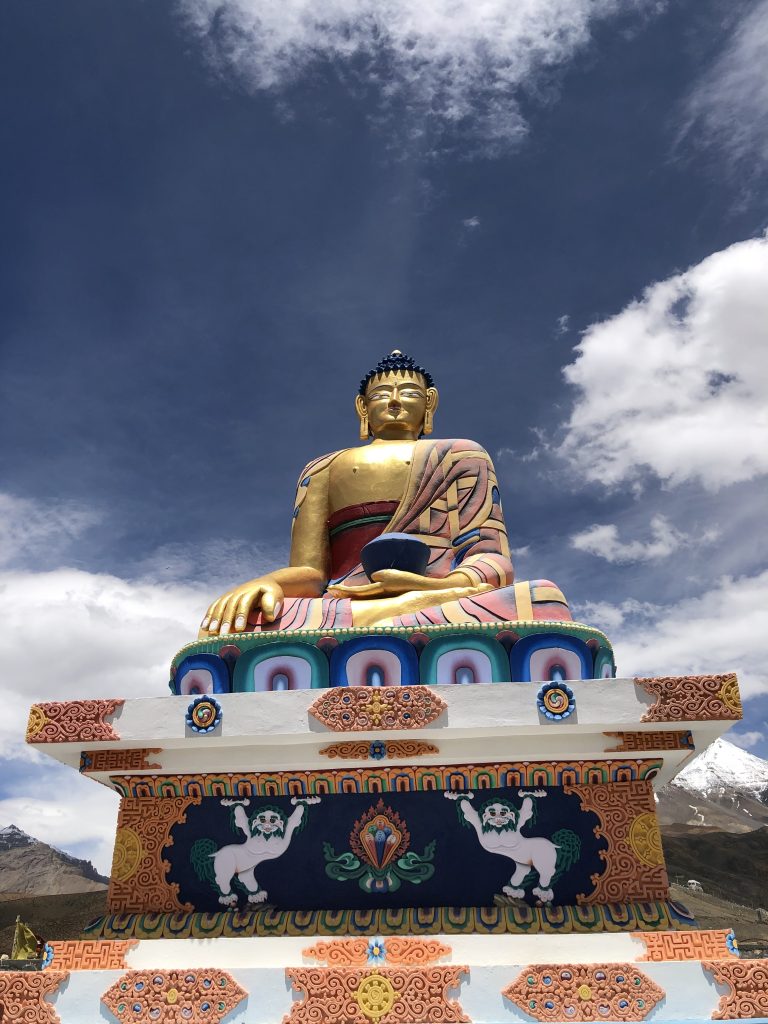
[745, 740]
[563, 323]
[602, 540]
[471, 222]
[78, 813]
[677, 383]
[728, 106]
[69, 634]
[722, 630]
[454, 63]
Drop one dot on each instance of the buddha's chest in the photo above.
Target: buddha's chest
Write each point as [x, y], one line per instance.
[377, 472]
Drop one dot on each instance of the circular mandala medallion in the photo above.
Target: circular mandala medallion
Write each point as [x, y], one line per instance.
[645, 839]
[729, 695]
[127, 855]
[204, 714]
[36, 721]
[375, 996]
[555, 700]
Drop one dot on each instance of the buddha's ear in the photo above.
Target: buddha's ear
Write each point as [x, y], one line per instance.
[362, 415]
[432, 401]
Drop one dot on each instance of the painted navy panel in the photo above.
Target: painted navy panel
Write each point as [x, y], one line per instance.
[400, 849]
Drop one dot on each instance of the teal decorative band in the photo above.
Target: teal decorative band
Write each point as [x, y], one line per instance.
[313, 637]
[389, 779]
[523, 920]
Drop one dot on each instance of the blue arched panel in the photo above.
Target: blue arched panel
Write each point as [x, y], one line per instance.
[201, 673]
[549, 657]
[374, 661]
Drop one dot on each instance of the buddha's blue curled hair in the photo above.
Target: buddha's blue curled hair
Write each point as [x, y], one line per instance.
[396, 362]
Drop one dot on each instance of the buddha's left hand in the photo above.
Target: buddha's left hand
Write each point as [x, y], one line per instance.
[391, 582]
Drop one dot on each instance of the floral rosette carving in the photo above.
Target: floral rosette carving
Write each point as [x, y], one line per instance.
[359, 708]
[394, 949]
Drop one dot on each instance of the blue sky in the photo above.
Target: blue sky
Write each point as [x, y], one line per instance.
[217, 216]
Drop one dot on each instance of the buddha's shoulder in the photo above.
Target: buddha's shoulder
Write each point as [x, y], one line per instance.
[318, 465]
[458, 446]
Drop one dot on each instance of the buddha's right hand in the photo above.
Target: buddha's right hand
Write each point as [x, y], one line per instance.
[229, 614]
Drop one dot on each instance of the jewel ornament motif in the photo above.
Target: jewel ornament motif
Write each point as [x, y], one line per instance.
[204, 714]
[379, 858]
[173, 997]
[555, 700]
[358, 708]
[584, 992]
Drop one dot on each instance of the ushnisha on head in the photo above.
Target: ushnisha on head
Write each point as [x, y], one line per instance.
[397, 400]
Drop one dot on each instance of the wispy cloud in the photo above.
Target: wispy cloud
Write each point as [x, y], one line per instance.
[720, 630]
[602, 540]
[42, 531]
[471, 222]
[454, 65]
[677, 383]
[745, 740]
[728, 106]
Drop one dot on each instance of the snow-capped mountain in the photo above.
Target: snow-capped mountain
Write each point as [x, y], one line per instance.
[724, 787]
[28, 865]
[722, 767]
[12, 838]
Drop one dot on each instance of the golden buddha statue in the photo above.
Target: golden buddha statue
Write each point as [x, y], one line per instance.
[442, 492]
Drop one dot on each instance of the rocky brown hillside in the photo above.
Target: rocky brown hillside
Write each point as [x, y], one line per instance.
[30, 866]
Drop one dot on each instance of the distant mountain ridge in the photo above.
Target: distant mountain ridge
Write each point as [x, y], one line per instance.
[725, 788]
[29, 866]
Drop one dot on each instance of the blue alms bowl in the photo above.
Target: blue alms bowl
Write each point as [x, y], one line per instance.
[395, 551]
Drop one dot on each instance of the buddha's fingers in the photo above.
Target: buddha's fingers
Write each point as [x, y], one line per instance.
[243, 606]
[234, 618]
[271, 601]
[227, 616]
[216, 612]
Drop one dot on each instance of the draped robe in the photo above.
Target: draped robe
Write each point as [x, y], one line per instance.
[451, 502]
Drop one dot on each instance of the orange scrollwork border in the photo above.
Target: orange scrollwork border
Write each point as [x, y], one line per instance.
[634, 861]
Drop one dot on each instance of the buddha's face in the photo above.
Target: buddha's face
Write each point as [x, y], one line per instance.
[396, 406]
